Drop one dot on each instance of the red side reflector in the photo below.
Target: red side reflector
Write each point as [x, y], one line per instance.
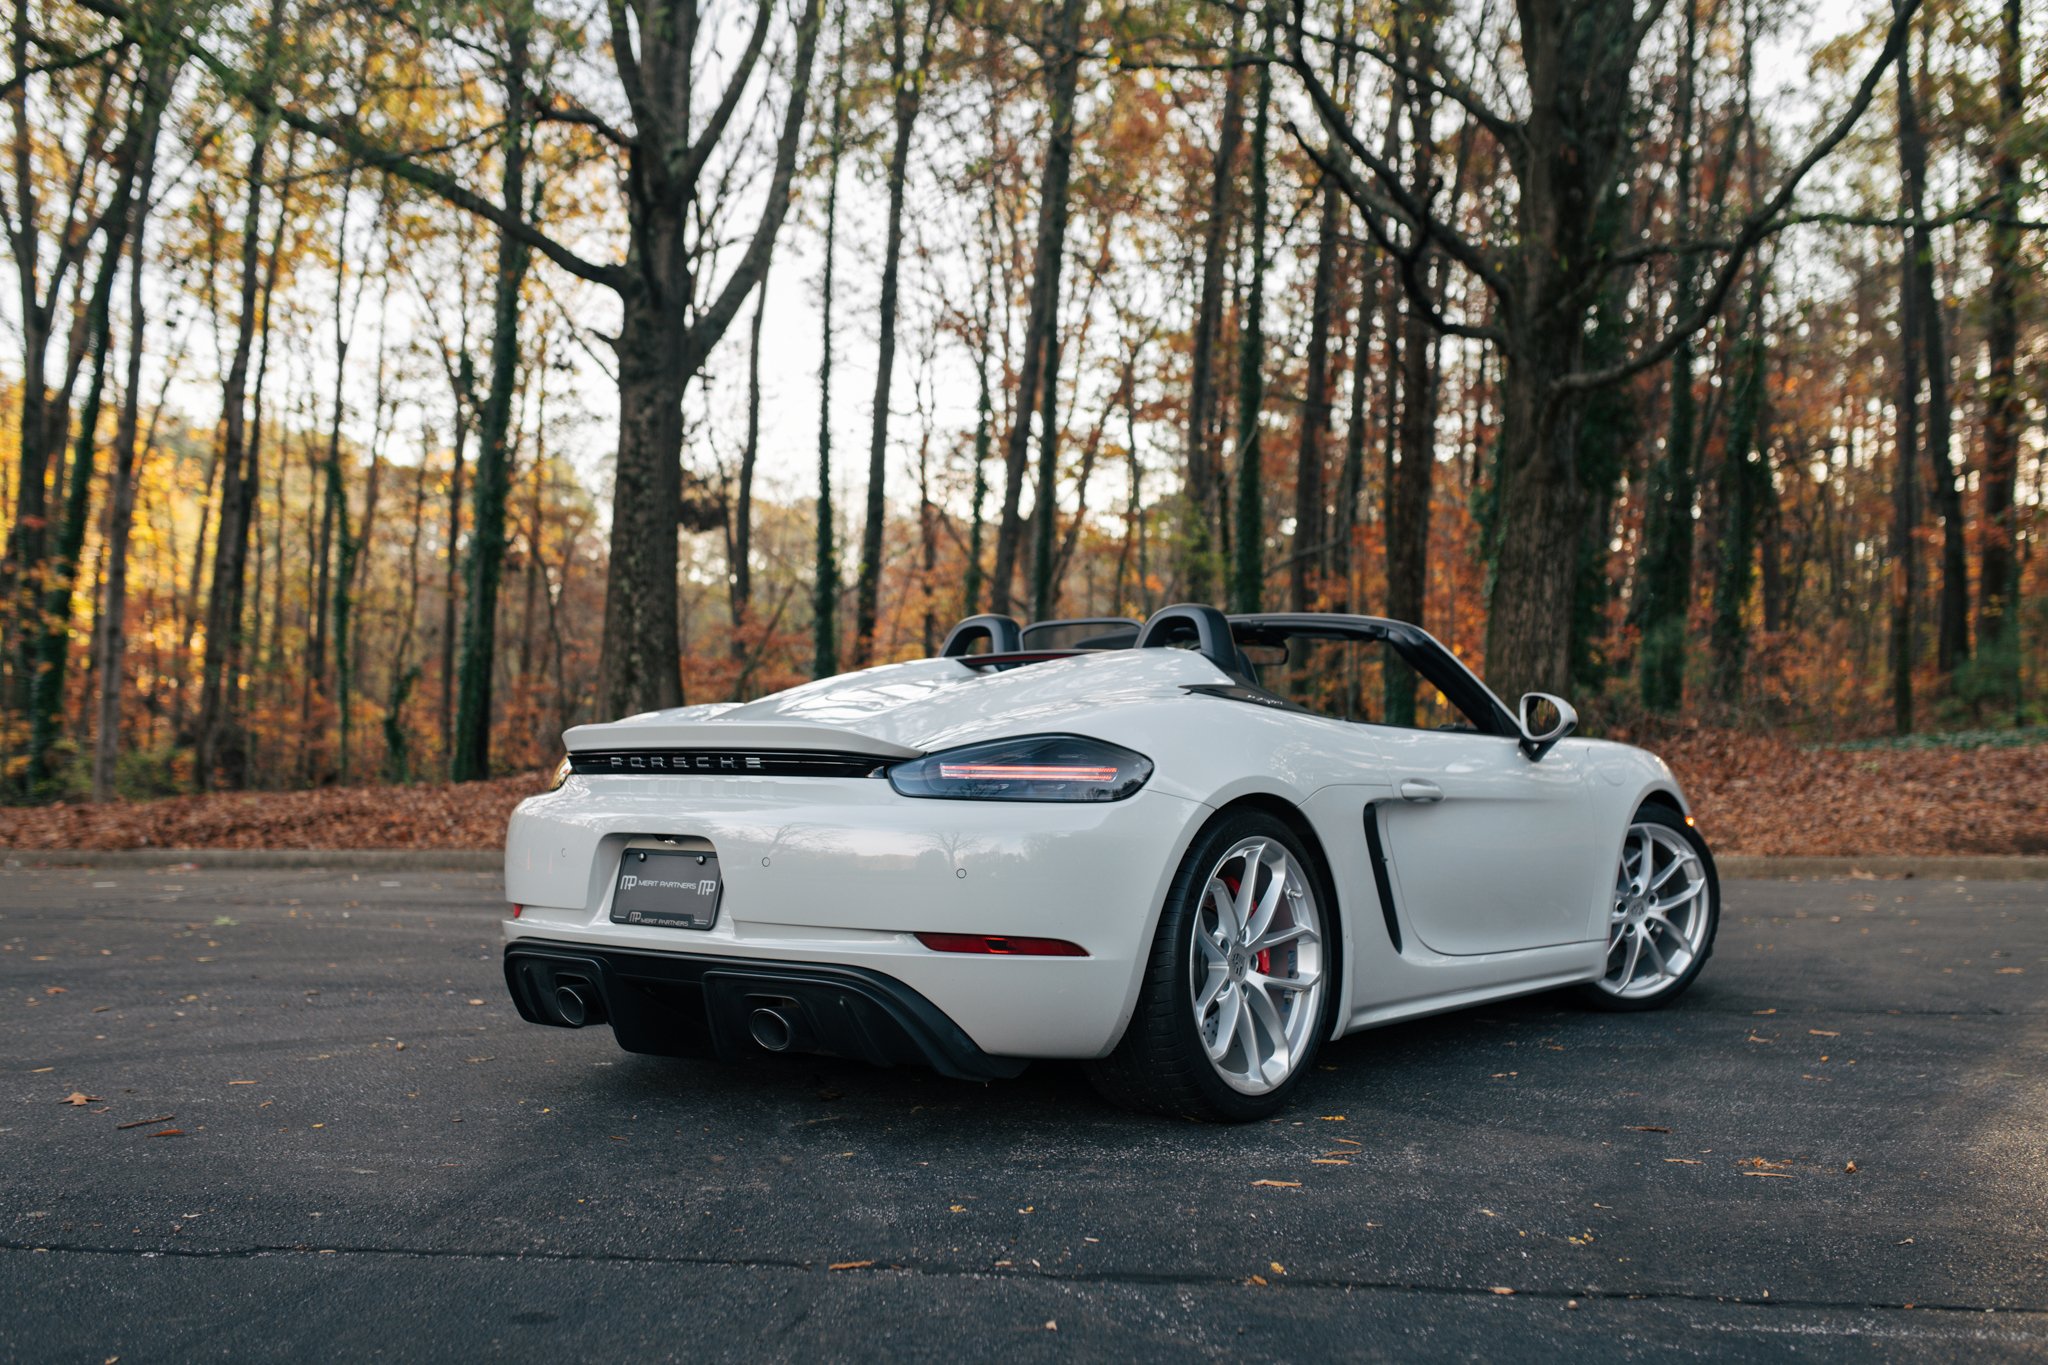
[1006, 945]
[515, 911]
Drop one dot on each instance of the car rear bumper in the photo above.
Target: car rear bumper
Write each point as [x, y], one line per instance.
[691, 1005]
[844, 874]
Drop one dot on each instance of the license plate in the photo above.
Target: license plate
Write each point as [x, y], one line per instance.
[667, 890]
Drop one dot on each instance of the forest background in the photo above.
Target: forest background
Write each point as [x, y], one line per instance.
[388, 386]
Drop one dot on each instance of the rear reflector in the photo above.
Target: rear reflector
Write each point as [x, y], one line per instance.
[1003, 944]
[515, 911]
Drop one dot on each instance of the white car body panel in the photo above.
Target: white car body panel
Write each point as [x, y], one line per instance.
[1501, 887]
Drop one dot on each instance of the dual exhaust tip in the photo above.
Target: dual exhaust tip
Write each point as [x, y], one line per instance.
[771, 1026]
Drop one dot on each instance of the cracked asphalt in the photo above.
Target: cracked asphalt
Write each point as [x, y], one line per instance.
[312, 1127]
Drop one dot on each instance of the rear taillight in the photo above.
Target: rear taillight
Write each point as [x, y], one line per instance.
[1002, 945]
[1029, 768]
[515, 911]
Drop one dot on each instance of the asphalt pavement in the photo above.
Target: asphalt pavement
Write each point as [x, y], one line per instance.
[291, 1114]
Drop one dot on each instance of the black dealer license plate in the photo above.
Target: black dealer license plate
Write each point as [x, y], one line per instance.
[667, 890]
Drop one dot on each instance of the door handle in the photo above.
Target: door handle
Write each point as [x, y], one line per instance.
[1419, 791]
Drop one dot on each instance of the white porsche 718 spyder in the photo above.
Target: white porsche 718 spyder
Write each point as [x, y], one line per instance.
[1186, 853]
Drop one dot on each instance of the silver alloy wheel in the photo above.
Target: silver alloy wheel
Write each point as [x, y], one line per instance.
[1257, 966]
[1659, 921]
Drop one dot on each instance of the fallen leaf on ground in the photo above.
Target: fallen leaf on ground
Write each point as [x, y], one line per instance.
[849, 1265]
[1259, 1280]
[1681, 1161]
[79, 1098]
[1501, 1289]
[167, 1132]
[1326, 1161]
[1277, 1184]
[1824, 1033]
[1277, 1268]
[1644, 1128]
[1849, 1169]
[1768, 1175]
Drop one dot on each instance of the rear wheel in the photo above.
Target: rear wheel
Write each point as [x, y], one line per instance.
[1239, 985]
[1666, 907]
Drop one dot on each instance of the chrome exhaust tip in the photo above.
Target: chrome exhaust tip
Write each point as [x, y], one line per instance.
[771, 1029]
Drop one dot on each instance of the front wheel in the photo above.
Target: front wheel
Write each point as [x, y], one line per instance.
[1666, 907]
[1240, 982]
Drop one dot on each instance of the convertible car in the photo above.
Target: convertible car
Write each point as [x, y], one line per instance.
[1186, 852]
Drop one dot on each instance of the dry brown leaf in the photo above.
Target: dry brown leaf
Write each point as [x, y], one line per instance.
[1276, 1184]
[1682, 1161]
[79, 1098]
[166, 1132]
[849, 1265]
[1824, 1033]
[1502, 1290]
[1644, 1128]
[1768, 1175]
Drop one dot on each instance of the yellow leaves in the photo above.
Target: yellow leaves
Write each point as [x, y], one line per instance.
[1277, 1268]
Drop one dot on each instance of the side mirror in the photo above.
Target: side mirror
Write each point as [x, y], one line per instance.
[1544, 720]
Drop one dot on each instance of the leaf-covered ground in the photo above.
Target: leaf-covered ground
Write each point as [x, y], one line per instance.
[1753, 794]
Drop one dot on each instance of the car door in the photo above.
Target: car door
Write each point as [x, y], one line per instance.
[1486, 850]
[1482, 850]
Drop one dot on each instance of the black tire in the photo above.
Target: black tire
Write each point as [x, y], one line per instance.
[1160, 1065]
[1593, 996]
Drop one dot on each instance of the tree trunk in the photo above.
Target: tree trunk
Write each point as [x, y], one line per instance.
[1248, 575]
[1063, 72]
[665, 334]
[742, 566]
[471, 760]
[907, 83]
[1665, 608]
[1411, 481]
[111, 668]
[1905, 584]
[1952, 622]
[1198, 540]
[825, 593]
[1310, 563]
[1998, 579]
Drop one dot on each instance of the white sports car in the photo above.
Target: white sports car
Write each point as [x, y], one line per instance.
[1186, 853]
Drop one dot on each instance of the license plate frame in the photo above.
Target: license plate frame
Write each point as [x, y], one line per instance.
[667, 889]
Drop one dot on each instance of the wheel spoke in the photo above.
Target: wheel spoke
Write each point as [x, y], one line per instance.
[1273, 938]
[1248, 1034]
[1656, 954]
[1226, 911]
[1213, 987]
[1228, 1010]
[1635, 953]
[1669, 903]
[1292, 984]
[1247, 889]
[1676, 866]
[1212, 955]
[1269, 903]
[1267, 1015]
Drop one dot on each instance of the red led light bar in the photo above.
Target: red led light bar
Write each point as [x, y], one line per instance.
[1002, 945]
[1024, 772]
